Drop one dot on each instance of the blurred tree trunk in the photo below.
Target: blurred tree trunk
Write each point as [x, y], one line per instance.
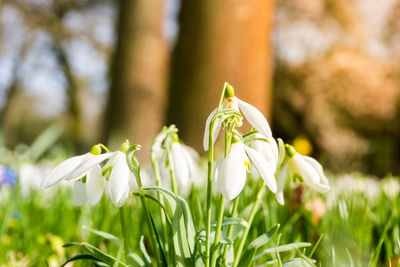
[138, 78]
[228, 40]
[74, 105]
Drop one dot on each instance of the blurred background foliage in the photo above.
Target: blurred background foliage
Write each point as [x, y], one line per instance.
[325, 73]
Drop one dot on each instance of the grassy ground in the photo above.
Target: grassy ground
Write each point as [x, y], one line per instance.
[358, 219]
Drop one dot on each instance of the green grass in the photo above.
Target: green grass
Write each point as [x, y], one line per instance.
[360, 225]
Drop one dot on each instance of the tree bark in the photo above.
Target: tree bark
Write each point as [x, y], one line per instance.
[138, 77]
[220, 41]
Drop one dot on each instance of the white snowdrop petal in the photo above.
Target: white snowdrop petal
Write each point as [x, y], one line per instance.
[281, 181]
[255, 118]
[317, 166]
[216, 170]
[119, 179]
[87, 164]
[190, 157]
[79, 195]
[181, 166]
[232, 172]
[281, 152]
[310, 174]
[62, 170]
[265, 169]
[268, 149]
[123, 199]
[95, 184]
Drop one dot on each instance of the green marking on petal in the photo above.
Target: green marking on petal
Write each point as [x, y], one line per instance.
[290, 151]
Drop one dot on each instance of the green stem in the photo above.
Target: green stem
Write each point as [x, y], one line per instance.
[253, 212]
[124, 231]
[167, 238]
[209, 193]
[214, 253]
[171, 169]
[228, 143]
[148, 218]
[209, 178]
[230, 229]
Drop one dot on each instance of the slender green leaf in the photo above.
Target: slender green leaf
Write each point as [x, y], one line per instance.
[264, 238]
[137, 259]
[79, 257]
[182, 226]
[283, 248]
[104, 235]
[297, 262]
[101, 255]
[146, 256]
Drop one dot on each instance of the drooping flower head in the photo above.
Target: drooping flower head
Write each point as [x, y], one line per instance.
[232, 103]
[93, 173]
[296, 167]
[167, 149]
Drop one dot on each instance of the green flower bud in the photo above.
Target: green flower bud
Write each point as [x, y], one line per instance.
[96, 149]
[229, 92]
[175, 137]
[290, 151]
[125, 146]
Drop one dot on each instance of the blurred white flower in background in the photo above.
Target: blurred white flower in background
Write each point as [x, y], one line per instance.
[31, 177]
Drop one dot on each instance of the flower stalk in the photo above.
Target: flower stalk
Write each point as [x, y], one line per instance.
[210, 165]
[253, 213]
[124, 231]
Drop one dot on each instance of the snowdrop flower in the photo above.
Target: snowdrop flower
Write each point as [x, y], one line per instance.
[302, 168]
[120, 180]
[230, 172]
[75, 167]
[91, 179]
[184, 164]
[252, 115]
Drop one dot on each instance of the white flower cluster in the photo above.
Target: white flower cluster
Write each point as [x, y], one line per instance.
[258, 151]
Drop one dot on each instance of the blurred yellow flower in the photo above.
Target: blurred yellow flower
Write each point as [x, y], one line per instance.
[302, 145]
